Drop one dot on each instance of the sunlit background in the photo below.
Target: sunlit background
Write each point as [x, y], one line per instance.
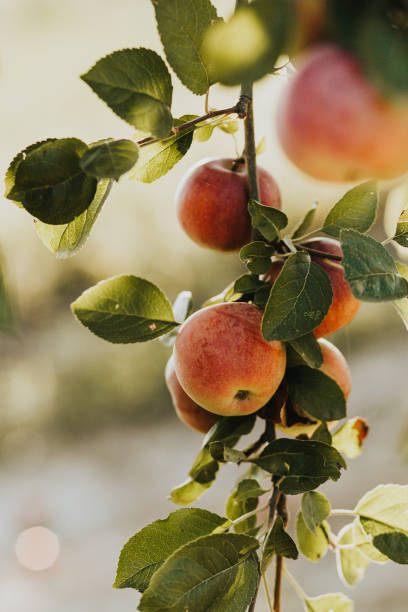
[89, 443]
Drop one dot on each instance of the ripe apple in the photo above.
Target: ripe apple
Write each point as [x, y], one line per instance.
[335, 366]
[344, 305]
[334, 125]
[223, 362]
[212, 202]
[186, 409]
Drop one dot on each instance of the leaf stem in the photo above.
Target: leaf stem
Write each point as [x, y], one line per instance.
[267, 592]
[278, 584]
[342, 512]
[296, 586]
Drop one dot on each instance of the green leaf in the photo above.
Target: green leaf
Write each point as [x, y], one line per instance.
[370, 270]
[266, 219]
[224, 454]
[181, 26]
[278, 543]
[136, 85]
[248, 283]
[384, 516]
[227, 430]
[401, 233]
[315, 509]
[306, 222]
[8, 311]
[158, 158]
[308, 348]
[243, 499]
[365, 544]
[261, 146]
[333, 602]
[264, 27]
[300, 299]
[351, 563]
[182, 307]
[125, 309]
[316, 393]
[312, 544]
[401, 305]
[322, 434]
[349, 438]
[110, 159]
[257, 256]
[67, 239]
[146, 551]
[217, 572]
[49, 182]
[356, 210]
[302, 464]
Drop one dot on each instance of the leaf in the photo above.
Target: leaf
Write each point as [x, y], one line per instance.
[309, 350]
[229, 126]
[401, 233]
[8, 310]
[384, 516]
[312, 545]
[158, 158]
[246, 47]
[351, 563]
[322, 434]
[49, 182]
[136, 85]
[248, 283]
[146, 551]
[365, 544]
[182, 307]
[243, 499]
[181, 26]
[302, 464]
[261, 146]
[278, 543]
[257, 256]
[356, 210]
[300, 299]
[110, 159]
[306, 222]
[349, 438]
[316, 393]
[266, 219]
[67, 239]
[215, 572]
[315, 509]
[227, 430]
[401, 305]
[224, 454]
[369, 269]
[125, 309]
[333, 602]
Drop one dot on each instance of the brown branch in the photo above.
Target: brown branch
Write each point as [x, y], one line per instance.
[278, 584]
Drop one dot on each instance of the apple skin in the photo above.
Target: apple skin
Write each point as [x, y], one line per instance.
[344, 305]
[224, 364]
[335, 126]
[186, 409]
[212, 203]
[335, 366]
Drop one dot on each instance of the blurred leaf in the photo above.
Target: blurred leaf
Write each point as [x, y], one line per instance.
[369, 269]
[349, 438]
[257, 256]
[365, 544]
[333, 602]
[125, 309]
[8, 311]
[261, 146]
[306, 222]
[181, 27]
[315, 509]
[182, 307]
[218, 572]
[316, 393]
[302, 464]
[402, 305]
[322, 434]
[356, 210]
[312, 545]
[67, 239]
[278, 543]
[266, 219]
[246, 47]
[229, 126]
[110, 159]
[401, 233]
[243, 499]
[227, 295]
[309, 350]
[49, 182]
[136, 85]
[351, 564]
[203, 132]
[146, 551]
[300, 299]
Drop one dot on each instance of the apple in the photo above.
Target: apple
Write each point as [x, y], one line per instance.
[186, 409]
[344, 305]
[290, 419]
[223, 362]
[335, 126]
[212, 202]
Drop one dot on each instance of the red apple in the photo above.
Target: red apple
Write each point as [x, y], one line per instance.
[212, 203]
[334, 125]
[344, 305]
[223, 362]
[187, 410]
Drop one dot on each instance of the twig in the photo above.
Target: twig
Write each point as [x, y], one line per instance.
[278, 584]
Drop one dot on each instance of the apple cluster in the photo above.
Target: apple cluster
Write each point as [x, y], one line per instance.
[221, 364]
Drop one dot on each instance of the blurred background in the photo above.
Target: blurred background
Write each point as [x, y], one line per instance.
[89, 443]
